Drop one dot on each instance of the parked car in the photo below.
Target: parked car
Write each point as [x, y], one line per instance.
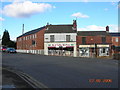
[4, 49]
[11, 50]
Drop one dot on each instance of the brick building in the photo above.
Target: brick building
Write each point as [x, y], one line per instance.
[115, 42]
[60, 39]
[94, 43]
[32, 40]
[67, 41]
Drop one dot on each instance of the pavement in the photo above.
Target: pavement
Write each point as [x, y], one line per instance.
[65, 72]
[12, 80]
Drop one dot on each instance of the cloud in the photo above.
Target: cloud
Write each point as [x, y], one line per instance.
[2, 19]
[80, 15]
[92, 28]
[113, 3]
[113, 28]
[85, 0]
[106, 9]
[25, 9]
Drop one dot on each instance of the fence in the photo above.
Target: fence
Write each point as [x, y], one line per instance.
[31, 51]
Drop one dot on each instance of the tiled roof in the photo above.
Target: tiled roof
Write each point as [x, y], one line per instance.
[32, 31]
[115, 34]
[92, 33]
[60, 29]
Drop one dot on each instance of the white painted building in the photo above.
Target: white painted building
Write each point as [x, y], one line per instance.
[60, 40]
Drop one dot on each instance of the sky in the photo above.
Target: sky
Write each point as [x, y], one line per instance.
[90, 16]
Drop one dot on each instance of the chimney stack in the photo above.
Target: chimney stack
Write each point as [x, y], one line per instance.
[47, 26]
[47, 23]
[75, 25]
[107, 29]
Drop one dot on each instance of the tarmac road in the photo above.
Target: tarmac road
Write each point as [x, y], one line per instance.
[65, 72]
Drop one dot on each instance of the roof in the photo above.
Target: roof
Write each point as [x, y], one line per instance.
[60, 29]
[115, 34]
[92, 33]
[32, 31]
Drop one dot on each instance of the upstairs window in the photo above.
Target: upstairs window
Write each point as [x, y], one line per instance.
[103, 39]
[116, 39]
[51, 38]
[33, 42]
[67, 38]
[35, 36]
[83, 40]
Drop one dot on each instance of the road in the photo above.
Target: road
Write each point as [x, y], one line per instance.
[65, 72]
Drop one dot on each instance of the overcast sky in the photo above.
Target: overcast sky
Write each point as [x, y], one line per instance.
[91, 16]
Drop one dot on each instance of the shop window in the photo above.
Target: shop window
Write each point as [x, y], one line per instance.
[51, 38]
[67, 38]
[83, 40]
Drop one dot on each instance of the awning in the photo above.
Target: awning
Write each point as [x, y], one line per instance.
[92, 46]
[61, 46]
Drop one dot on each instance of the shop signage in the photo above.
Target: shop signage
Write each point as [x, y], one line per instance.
[90, 46]
[58, 45]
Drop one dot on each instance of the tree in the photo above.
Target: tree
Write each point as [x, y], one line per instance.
[5, 38]
[12, 44]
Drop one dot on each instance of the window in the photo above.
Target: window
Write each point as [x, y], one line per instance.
[19, 39]
[83, 40]
[51, 38]
[30, 36]
[116, 39]
[67, 38]
[33, 42]
[103, 39]
[35, 36]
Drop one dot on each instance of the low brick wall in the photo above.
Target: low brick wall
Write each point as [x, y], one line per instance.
[31, 51]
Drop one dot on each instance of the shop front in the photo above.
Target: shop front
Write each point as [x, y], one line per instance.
[104, 50]
[61, 49]
[92, 51]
